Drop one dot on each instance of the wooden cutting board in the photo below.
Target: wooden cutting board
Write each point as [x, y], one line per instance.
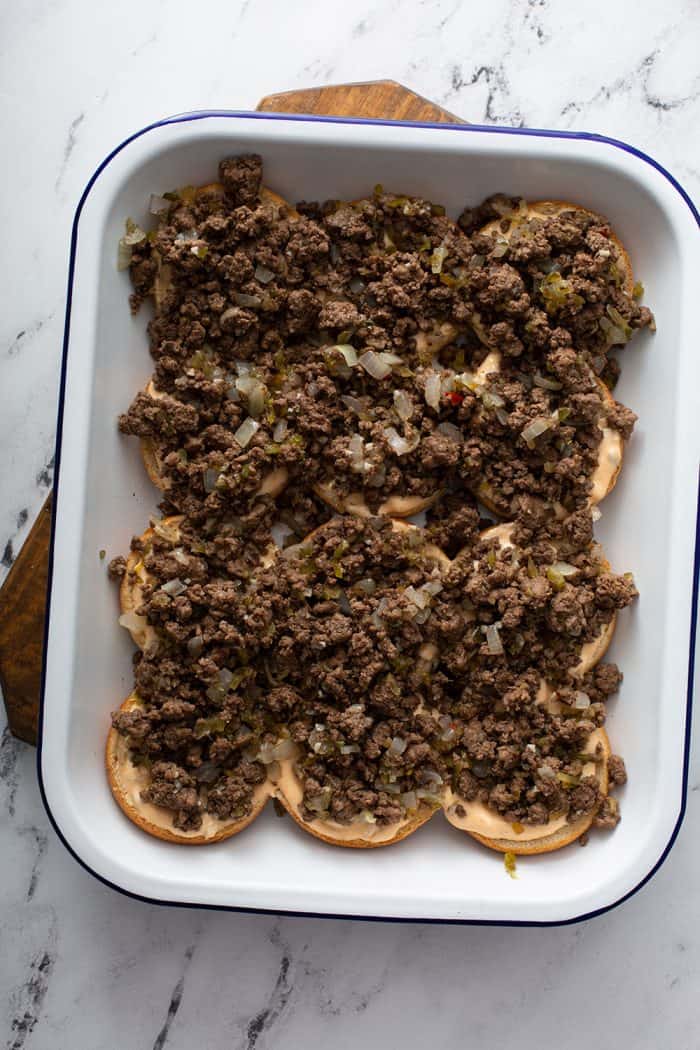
[23, 595]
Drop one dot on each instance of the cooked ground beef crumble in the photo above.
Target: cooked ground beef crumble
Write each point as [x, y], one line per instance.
[349, 343]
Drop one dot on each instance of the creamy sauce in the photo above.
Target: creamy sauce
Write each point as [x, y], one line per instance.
[355, 503]
[484, 821]
[405, 506]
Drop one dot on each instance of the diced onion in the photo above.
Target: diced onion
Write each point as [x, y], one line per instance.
[356, 448]
[284, 749]
[195, 645]
[349, 353]
[123, 255]
[402, 404]
[353, 403]
[349, 749]
[581, 701]
[357, 285]
[493, 639]
[241, 299]
[211, 477]
[134, 234]
[186, 237]
[409, 800]
[376, 616]
[254, 391]
[368, 586]
[263, 275]
[389, 358]
[448, 729]
[450, 431]
[538, 426]
[564, 568]
[390, 789]
[132, 621]
[489, 399]
[416, 598]
[401, 445]
[174, 587]
[280, 431]
[397, 746]
[545, 383]
[374, 365]
[432, 390]
[546, 773]
[438, 257]
[245, 432]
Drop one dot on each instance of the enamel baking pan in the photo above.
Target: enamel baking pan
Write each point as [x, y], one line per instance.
[648, 526]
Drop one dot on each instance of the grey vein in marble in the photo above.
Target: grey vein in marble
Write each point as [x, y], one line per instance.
[9, 755]
[28, 999]
[278, 997]
[175, 1001]
[69, 147]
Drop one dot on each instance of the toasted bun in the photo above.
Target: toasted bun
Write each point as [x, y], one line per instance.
[131, 587]
[127, 781]
[332, 834]
[152, 463]
[571, 830]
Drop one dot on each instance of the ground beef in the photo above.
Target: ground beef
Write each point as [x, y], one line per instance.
[392, 675]
[117, 567]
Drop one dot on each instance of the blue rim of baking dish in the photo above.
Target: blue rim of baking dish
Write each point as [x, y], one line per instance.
[183, 118]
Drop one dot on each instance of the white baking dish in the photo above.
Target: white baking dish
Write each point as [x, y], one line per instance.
[648, 526]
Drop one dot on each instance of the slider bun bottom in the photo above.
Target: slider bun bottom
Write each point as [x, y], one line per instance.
[118, 763]
[563, 836]
[325, 833]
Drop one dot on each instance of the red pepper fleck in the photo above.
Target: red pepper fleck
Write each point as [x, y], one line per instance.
[454, 398]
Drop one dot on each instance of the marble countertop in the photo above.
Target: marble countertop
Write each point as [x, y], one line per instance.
[80, 965]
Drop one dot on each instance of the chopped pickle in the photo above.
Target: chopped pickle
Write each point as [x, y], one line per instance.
[208, 726]
[555, 578]
[509, 863]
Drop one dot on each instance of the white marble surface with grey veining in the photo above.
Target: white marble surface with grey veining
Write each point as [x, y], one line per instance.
[81, 966]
